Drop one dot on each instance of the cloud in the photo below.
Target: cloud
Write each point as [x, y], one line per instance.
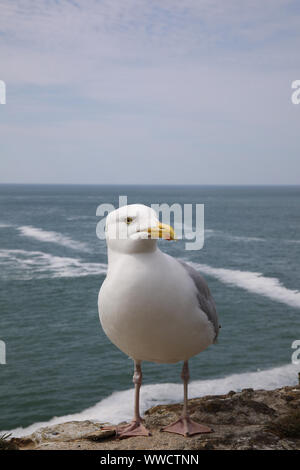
[133, 78]
[66, 42]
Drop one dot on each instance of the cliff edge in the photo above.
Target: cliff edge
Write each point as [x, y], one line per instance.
[250, 419]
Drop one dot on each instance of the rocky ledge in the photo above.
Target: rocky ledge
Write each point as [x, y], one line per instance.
[250, 419]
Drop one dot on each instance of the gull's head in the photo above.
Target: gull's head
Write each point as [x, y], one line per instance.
[135, 228]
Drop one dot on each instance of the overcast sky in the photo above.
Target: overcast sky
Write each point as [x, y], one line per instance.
[150, 91]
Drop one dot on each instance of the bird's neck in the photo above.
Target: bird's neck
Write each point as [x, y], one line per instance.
[117, 248]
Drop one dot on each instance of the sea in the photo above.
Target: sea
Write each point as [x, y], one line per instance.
[60, 366]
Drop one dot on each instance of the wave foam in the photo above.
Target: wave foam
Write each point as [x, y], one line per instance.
[228, 236]
[118, 406]
[253, 282]
[240, 238]
[36, 264]
[52, 237]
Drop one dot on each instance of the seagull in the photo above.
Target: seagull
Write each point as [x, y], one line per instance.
[152, 306]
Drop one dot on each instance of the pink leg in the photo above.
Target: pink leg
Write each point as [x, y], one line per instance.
[185, 425]
[136, 427]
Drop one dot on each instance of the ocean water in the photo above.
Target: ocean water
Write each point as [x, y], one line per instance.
[61, 366]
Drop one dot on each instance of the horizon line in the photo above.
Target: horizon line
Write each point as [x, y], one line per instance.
[151, 184]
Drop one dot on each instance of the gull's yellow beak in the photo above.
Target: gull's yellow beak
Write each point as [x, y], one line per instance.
[162, 231]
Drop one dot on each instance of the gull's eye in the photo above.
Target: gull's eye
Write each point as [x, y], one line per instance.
[129, 220]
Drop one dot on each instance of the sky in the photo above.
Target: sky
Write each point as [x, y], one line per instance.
[149, 92]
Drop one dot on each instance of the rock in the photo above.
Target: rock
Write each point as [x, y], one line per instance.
[246, 420]
[287, 425]
[64, 432]
[100, 435]
[6, 443]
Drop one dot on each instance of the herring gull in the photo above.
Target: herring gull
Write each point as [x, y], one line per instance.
[152, 306]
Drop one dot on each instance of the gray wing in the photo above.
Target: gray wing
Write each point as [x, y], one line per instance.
[205, 299]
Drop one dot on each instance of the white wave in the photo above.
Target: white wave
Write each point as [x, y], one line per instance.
[5, 225]
[209, 232]
[239, 238]
[118, 406]
[36, 264]
[253, 282]
[81, 217]
[52, 237]
[228, 236]
[188, 229]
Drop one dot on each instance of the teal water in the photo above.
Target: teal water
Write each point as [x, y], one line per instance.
[60, 362]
